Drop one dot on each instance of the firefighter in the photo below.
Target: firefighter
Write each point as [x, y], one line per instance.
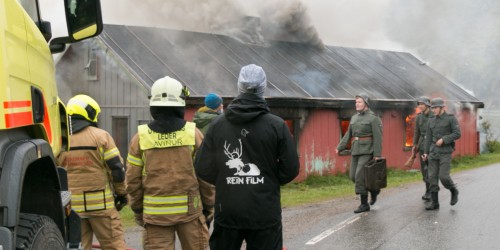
[440, 138]
[96, 175]
[206, 114]
[421, 122]
[165, 194]
[365, 130]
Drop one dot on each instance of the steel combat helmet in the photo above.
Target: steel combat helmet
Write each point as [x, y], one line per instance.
[168, 92]
[437, 102]
[365, 98]
[425, 100]
[84, 106]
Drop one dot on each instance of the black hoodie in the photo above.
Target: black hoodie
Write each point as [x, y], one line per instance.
[247, 154]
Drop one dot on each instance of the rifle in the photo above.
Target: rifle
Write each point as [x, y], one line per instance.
[412, 158]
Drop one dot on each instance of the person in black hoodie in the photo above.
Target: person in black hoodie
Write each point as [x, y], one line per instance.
[247, 153]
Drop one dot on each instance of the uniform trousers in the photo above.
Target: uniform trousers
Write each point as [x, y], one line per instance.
[357, 172]
[193, 235]
[424, 169]
[107, 229]
[439, 170]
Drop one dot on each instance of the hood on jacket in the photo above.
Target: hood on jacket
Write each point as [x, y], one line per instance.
[166, 119]
[77, 123]
[204, 116]
[246, 107]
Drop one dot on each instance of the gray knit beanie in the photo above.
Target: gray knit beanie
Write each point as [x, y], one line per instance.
[252, 79]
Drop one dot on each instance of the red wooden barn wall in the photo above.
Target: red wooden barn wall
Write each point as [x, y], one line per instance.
[320, 136]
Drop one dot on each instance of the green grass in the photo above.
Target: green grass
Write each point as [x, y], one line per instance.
[321, 188]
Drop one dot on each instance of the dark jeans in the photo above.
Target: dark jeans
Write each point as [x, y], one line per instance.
[224, 238]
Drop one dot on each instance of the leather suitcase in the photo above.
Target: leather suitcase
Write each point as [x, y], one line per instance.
[376, 174]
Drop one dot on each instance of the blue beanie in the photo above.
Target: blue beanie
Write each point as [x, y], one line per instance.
[213, 101]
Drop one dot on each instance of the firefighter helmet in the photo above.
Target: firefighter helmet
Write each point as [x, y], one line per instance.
[437, 102]
[84, 106]
[168, 92]
[365, 98]
[425, 100]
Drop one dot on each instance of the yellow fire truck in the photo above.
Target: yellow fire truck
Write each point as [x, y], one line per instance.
[35, 207]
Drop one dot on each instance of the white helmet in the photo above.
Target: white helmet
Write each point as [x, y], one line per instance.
[168, 92]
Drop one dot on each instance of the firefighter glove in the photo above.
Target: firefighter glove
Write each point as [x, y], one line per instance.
[120, 202]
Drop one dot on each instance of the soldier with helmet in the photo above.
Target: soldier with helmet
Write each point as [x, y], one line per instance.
[440, 138]
[421, 121]
[96, 175]
[365, 130]
[165, 194]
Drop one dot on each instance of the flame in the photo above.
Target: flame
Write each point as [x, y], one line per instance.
[409, 127]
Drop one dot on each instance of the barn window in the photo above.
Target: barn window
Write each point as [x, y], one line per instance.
[120, 134]
[290, 124]
[91, 66]
[344, 125]
[410, 118]
[345, 119]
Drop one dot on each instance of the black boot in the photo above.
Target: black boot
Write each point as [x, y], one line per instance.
[364, 207]
[427, 195]
[435, 202]
[373, 196]
[454, 196]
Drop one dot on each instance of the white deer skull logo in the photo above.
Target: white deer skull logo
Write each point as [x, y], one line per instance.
[242, 169]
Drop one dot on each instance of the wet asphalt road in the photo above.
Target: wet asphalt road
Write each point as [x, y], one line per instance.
[398, 220]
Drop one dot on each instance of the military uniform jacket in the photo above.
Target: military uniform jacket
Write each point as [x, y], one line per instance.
[421, 123]
[92, 151]
[365, 128]
[446, 127]
[161, 178]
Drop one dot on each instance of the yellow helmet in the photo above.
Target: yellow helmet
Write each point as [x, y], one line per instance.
[168, 92]
[84, 106]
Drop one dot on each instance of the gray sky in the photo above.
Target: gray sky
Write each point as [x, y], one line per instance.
[458, 38]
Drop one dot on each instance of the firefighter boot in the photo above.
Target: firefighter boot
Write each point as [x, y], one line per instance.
[435, 202]
[454, 196]
[373, 196]
[427, 195]
[364, 207]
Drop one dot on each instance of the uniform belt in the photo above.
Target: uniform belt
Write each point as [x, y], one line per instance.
[363, 138]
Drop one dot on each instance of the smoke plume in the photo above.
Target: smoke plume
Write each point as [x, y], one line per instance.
[279, 19]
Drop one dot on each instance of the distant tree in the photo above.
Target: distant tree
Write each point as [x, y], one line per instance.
[492, 144]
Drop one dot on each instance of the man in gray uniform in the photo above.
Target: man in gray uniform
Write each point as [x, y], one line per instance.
[365, 128]
[440, 138]
[421, 122]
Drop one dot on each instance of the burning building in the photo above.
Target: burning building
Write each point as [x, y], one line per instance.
[311, 88]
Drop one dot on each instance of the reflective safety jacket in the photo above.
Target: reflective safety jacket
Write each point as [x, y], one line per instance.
[161, 178]
[95, 171]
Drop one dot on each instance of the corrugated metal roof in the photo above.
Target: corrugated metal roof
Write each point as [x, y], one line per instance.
[211, 63]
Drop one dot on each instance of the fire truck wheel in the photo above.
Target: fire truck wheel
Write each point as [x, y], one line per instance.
[38, 232]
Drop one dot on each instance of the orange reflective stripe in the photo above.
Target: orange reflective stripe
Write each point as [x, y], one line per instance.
[18, 119]
[16, 104]
[46, 122]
